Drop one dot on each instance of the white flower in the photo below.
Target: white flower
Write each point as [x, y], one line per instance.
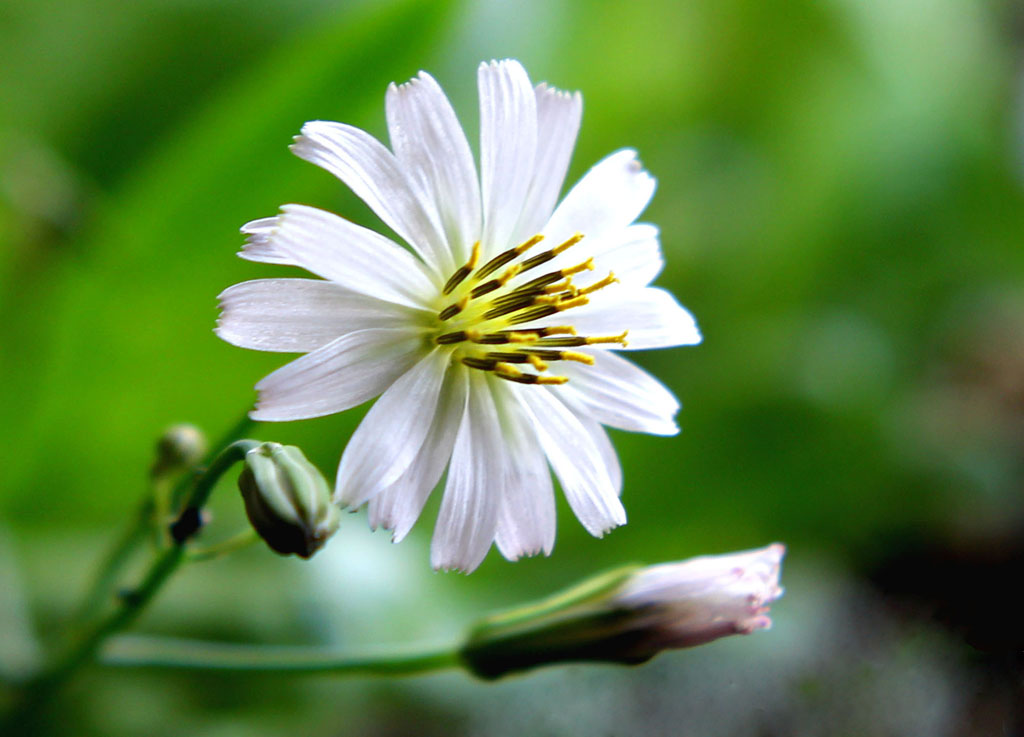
[701, 599]
[489, 341]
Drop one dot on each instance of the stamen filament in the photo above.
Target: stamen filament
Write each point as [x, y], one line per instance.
[453, 309]
[610, 339]
[463, 271]
[511, 373]
[484, 364]
[457, 337]
[506, 256]
[610, 279]
[537, 362]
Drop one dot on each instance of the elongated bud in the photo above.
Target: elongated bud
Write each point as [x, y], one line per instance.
[631, 614]
[287, 499]
[179, 448]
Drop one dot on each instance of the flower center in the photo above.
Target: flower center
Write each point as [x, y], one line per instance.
[485, 319]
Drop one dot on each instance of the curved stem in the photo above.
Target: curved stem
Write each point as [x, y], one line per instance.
[197, 655]
[38, 691]
[106, 576]
[243, 539]
[154, 506]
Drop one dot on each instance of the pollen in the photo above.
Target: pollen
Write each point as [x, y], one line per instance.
[485, 315]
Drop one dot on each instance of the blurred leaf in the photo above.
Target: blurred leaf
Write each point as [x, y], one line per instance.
[19, 650]
[118, 354]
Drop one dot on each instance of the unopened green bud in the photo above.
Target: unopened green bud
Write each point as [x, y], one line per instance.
[287, 499]
[179, 448]
[631, 614]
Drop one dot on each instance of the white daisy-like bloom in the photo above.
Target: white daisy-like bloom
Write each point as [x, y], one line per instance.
[491, 339]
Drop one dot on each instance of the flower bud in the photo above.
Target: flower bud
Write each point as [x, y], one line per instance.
[287, 500]
[180, 447]
[631, 614]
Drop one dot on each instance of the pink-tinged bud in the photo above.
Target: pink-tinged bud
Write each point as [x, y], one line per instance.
[701, 599]
[631, 614]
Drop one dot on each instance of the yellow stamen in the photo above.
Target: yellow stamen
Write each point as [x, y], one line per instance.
[609, 339]
[578, 357]
[537, 362]
[527, 245]
[559, 287]
[463, 271]
[516, 337]
[510, 272]
[568, 244]
[453, 309]
[610, 279]
[587, 265]
[570, 303]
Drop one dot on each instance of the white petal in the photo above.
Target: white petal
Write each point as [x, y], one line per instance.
[432, 148]
[576, 459]
[345, 372]
[558, 123]
[526, 517]
[398, 506]
[618, 393]
[392, 433]
[477, 478]
[633, 255]
[652, 316]
[375, 176]
[604, 446]
[508, 149]
[299, 315]
[257, 244]
[354, 257]
[608, 198]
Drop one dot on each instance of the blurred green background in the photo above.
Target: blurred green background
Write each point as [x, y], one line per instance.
[840, 191]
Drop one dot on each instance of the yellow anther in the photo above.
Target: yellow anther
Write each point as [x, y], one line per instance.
[463, 271]
[552, 379]
[610, 279]
[587, 265]
[510, 272]
[578, 357]
[609, 339]
[538, 363]
[568, 244]
[524, 247]
[507, 370]
[453, 309]
[473, 335]
[559, 287]
[560, 330]
[547, 299]
[515, 337]
[570, 303]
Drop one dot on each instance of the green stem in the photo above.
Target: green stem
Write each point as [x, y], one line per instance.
[195, 655]
[38, 692]
[243, 539]
[155, 505]
[115, 560]
[189, 520]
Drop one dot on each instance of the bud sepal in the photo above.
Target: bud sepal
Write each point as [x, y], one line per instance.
[287, 499]
[631, 614]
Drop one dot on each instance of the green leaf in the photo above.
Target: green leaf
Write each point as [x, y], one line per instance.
[130, 345]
